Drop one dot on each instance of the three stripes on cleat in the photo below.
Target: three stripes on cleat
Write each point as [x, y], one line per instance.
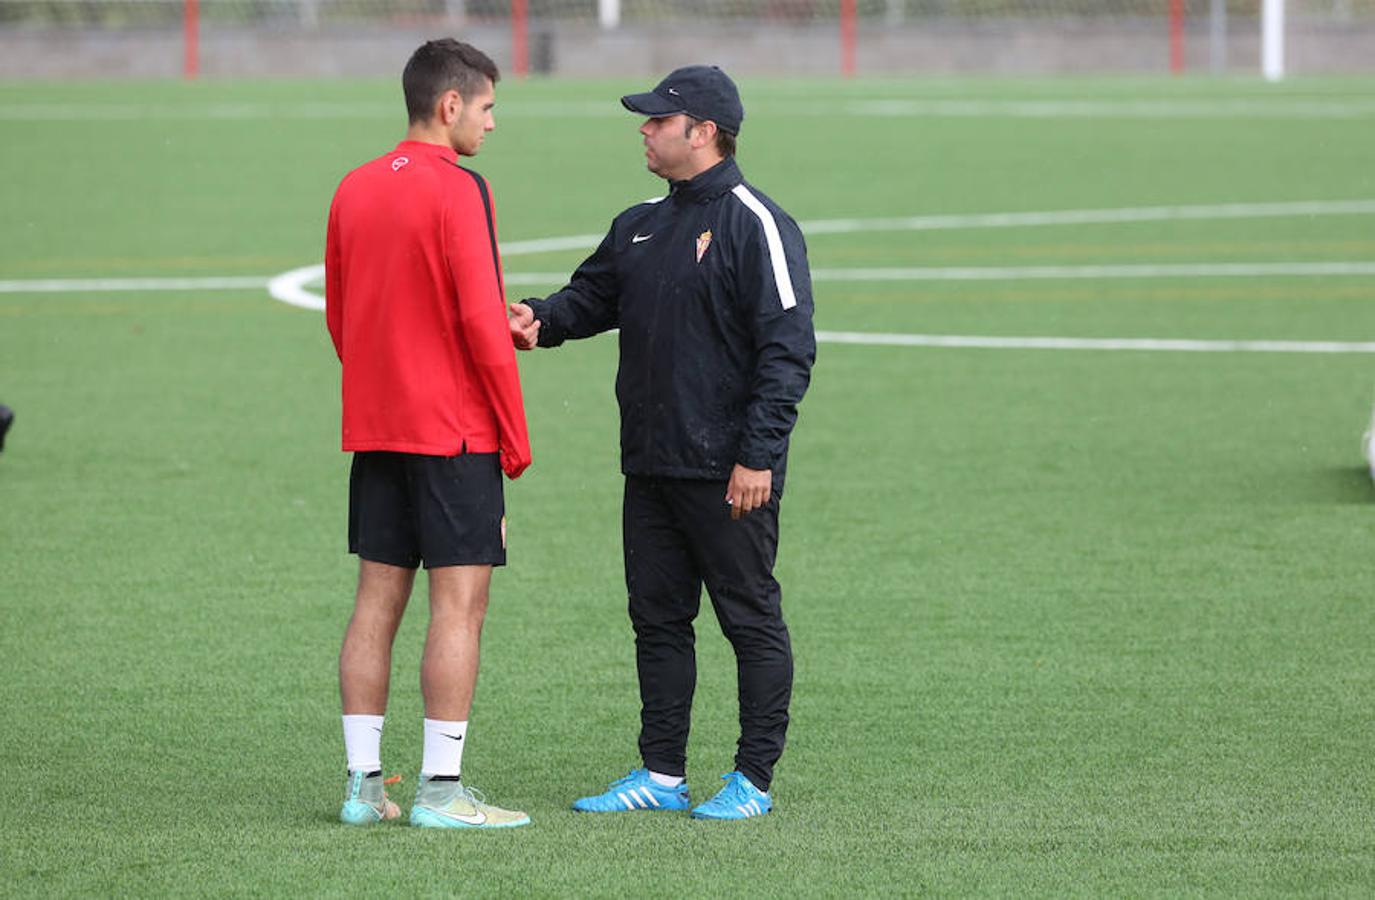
[635, 798]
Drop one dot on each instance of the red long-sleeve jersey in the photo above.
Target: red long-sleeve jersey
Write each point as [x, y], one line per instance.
[415, 306]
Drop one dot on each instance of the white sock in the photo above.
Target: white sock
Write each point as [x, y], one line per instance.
[666, 780]
[363, 742]
[443, 747]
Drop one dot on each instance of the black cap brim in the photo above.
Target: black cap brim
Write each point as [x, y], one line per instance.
[651, 104]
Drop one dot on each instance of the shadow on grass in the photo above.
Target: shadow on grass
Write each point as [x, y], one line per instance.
[1343, 485]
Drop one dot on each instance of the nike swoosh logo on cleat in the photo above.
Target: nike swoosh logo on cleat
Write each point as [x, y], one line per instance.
[477, 818]
[641, 237]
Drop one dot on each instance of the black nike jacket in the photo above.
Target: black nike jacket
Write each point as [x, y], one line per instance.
[710, 289]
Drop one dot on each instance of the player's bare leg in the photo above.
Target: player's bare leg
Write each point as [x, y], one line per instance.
[364, 676]
[365, 660]
[448, 676]
[448, 671]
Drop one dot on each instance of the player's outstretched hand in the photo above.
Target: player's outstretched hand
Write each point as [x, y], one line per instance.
[524, 326]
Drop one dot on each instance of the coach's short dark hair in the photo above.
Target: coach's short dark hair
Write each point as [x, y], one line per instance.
[444, 65]
[725, 141]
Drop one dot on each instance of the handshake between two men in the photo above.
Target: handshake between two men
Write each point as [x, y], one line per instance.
[524, 326]
[748, 489]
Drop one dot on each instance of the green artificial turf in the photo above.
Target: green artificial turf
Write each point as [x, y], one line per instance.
[1066, 622]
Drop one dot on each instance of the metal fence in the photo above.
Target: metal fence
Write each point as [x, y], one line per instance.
[54, 38]
[145, 13]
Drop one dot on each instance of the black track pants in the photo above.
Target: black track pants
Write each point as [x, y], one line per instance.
[678, 535]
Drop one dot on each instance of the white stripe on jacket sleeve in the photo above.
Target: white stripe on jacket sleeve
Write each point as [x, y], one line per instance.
[781, 277]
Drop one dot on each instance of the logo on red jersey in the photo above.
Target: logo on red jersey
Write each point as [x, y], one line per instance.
[400, 161]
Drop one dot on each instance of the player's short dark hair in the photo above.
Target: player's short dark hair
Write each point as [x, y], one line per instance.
[725, 141]
[444, 65]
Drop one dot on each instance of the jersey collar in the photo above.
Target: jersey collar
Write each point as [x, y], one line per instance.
[714, 182]
[419, 148]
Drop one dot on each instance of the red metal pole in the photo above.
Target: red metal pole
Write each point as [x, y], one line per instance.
[847, 38]
[191, 31]
[520, 37]
[1176, 36]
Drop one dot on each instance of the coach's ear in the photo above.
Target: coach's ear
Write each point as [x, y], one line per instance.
[703, 134]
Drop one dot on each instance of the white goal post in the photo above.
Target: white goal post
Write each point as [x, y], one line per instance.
[1272, 40]
[609, 13]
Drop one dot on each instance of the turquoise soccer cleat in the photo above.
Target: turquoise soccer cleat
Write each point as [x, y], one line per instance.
[739, 799]
[636, 791]
[448, 804]
[365, 801]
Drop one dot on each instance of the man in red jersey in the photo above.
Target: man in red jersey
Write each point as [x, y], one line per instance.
[432, 411]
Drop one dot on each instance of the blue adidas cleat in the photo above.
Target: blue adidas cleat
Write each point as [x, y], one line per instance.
[739, 799]
[636, 791]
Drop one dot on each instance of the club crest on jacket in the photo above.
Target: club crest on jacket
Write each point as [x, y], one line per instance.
[703, 242]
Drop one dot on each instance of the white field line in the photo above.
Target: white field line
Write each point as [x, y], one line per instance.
[1164, 270]
[1123, 215]
[547, 245]
[1065, 108]
[298, 280]
[814, 227]
[103, 285]
[1064, 343]
[1067, 273]
[292, 287]
[1094, 216]
[323, 110]
[1115, 109]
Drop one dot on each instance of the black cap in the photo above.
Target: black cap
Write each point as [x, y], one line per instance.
[703, 92]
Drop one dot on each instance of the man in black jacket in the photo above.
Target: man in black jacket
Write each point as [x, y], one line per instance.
[710, 289]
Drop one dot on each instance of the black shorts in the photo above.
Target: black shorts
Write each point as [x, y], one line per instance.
[405, 508]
